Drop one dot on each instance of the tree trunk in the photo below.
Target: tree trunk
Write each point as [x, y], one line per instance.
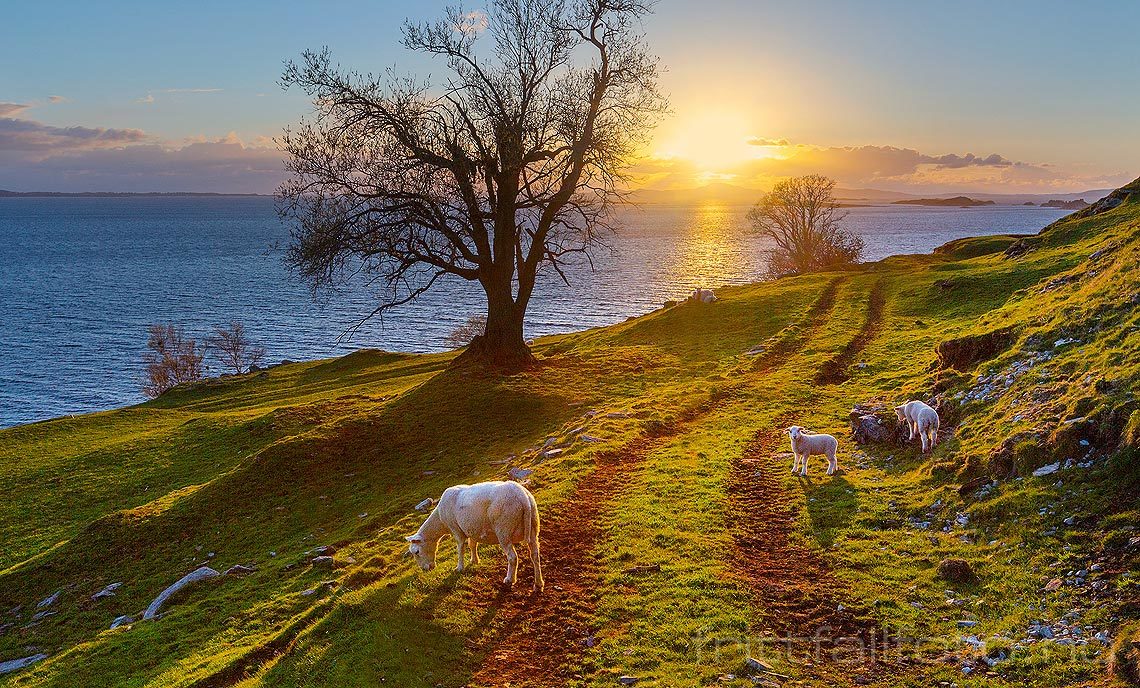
[501, 345]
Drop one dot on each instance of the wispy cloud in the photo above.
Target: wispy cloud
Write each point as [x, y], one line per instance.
[147, 99]
[12, 109]
[766, 142]
[57, 99]
[189, 90]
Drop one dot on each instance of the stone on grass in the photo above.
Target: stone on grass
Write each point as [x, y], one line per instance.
[1047, 469]
[425, 505]
[240, 570]
[627, 680]
[519, 474]
[955, 570]
[108, 591]
[49, 600]
[199, 574]
[121, 621]
[323, 562]
[17, 664]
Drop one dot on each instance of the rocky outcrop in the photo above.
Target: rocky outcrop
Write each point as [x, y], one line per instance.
[964, 353]
[17, 664]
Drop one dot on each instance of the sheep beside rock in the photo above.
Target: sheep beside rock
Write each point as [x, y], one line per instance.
[921, 420]
[805, 444]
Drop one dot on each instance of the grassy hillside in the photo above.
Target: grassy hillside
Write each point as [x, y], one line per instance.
[677, 543]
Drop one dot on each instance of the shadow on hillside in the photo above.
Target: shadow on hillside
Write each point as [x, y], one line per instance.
[831, 504]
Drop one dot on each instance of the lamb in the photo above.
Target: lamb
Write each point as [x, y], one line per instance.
[490, 512]
[805, 444]
[920, 419]
[702, 295]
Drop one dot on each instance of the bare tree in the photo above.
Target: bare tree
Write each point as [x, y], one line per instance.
[172, 359]
[463, 335]
[510, 166]
[233, 349]
[801, 216]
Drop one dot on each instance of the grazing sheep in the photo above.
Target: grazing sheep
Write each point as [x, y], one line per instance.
[490, 512]
[703, 295]
[921, 420]
[805, 444]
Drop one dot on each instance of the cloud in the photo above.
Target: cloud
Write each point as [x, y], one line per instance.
[11, 109]
[28, 140]
[761, 141]
[147, 99]
[57, 99]
[190, 90]
[884, 167]
[36, 156]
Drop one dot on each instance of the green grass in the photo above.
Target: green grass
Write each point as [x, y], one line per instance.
[259, 469]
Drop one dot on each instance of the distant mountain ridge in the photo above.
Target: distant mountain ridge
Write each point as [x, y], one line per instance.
[954, 202]
[720, 192]
[111, 194]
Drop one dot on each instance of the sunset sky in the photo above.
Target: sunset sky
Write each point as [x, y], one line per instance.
[910, 96]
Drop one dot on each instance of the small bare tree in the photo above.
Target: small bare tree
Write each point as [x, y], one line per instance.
[171, 359]
[801, 216]
[513, 164]
[467, 332]
[233, 349]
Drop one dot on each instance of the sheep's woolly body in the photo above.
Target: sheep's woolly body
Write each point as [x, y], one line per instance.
[806, 444]
[494, 512]
[921, 420]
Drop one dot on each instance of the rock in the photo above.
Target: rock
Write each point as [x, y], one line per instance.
[550, 453]
[1047, 469]
[756, 350]
[965, 353]
[754, 664]
[519, 474]
[616, 414]
[254, 368]
[590, 438]
[1053, 585]
[627, 680]
[1065, 341]
[200, 574]
[40, 616]
[108, 591]
[49, 600]
[17, 664]
[974, 485]
[425, 505]
[955, 570]
[240, 570]
[121, 621]
[323, 562]
[323, 551]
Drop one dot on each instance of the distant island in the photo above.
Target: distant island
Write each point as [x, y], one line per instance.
[1079, 204]
[110, 194]
[955, 202]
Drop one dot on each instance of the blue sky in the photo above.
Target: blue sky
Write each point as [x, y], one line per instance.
[189, 94]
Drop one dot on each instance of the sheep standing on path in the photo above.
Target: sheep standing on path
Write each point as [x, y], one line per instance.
[921, 420]
[492, 512]
[806, 444]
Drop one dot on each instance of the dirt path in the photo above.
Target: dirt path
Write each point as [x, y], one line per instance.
[837, 369]
[791, 338]
[537, 640]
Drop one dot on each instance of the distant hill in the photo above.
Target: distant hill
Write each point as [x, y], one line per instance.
[954, 201]
[1079, 204]
[730, 194]
[109, 194]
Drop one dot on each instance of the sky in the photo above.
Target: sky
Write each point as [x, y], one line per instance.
[1013, 96]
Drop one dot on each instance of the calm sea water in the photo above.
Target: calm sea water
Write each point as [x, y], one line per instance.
[82, 278]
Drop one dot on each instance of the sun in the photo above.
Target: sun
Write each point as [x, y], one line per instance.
[715, 141]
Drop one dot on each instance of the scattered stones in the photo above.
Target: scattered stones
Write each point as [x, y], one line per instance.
[240, 570]
[519, 474]
[1053, 585]
[49, 600]
[322, 551]
[590, 438]
[1047, 469]
[108, 591]
[627, 680]
[323, 562]
[17, 664]
[40, 616]
[200, 574]
[121, 621]
[975, 485]
[955, 570]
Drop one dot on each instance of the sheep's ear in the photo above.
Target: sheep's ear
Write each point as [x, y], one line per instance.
[414, 538]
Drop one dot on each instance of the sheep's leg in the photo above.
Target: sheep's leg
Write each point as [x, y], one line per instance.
[474, 551]
[512, 562]
[795, 461]
[803, 466]
[911, 426]
[832, 465]
[461, 547]
[536, 560]
[925, 440]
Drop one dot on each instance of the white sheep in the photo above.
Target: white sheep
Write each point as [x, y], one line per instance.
[805, 444]
[921, 420]
[702, 295]
[490, 512]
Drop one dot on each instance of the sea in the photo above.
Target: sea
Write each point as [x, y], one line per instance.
[81, 279]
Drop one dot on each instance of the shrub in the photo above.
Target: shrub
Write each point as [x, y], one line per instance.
[172, 359]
